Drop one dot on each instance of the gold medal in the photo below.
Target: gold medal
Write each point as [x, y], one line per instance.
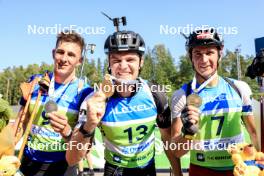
[51, 106]
[194, 100]
[108, 86]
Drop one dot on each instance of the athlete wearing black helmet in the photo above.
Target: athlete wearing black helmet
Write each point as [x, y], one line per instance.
[207, 37]
[124, 41]
[127, 121]
[214, 105]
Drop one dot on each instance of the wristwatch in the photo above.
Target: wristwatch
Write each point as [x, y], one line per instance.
[68, 135]
[85, 133]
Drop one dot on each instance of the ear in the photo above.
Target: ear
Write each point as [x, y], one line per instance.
[108, 68]
[80, 61]
[53, 53]
[141, 62]
[221, 54]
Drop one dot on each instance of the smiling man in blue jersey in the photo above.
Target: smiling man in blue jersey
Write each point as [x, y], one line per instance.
[127, 119]
[210, 111]
[44, 153]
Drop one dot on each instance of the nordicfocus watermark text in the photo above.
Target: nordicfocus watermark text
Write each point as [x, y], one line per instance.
[133, 87]
[177, 30]
[61, 147]
[190, 145]
[194, 145]
[58, 28]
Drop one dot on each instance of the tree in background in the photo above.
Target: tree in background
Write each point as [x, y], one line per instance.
[147, 72]
[185, 71]
[228, 68]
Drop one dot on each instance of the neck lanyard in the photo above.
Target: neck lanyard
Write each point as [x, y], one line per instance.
[55, 93]
[203, 84]
[51, 105]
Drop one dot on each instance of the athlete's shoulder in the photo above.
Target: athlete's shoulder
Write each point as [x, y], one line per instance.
[242, 86]
[85, 92]
[178, 95]
[32, 77]
[181, 92]
[87, 89]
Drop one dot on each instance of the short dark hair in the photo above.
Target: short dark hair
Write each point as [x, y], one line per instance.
[70, 36]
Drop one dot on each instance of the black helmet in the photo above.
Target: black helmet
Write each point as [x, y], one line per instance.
[204, 37]
[124, 41]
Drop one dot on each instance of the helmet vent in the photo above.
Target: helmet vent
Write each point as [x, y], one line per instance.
[123, 41]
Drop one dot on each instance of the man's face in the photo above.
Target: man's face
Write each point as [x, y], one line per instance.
[66, 57]
[125, 65]
[204, 59]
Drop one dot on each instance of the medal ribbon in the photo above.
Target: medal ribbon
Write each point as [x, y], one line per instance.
[52, 93]
[203, 84]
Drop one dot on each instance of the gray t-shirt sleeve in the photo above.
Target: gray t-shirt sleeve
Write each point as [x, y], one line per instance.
[178, 102]
[246, 93]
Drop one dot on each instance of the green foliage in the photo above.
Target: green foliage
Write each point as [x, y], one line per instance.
[228, 68]
[105, 67]
[185, 71]
[159, 67]
[148, 68]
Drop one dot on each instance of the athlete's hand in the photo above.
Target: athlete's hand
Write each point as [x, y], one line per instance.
[190, 118]
[59, 123]
[95, 110]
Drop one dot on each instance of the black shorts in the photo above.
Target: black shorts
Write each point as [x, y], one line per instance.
[112, 170]
[34, 168]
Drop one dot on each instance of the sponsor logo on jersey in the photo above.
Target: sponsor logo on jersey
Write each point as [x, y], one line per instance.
[129, 109]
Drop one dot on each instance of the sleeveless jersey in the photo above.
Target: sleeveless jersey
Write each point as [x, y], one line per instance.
[128, 129]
